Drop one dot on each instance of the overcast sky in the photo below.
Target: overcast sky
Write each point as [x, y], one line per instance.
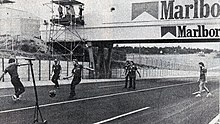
[36, 7]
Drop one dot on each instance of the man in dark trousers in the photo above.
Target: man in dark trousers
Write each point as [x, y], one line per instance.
[126, 70]
[76, 74]
[132, 75]
[56, 69]
[12, 70]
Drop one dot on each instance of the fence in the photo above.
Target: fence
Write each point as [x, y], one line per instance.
[169, 65]
[42, 69]
[151, 73]
[161, 62]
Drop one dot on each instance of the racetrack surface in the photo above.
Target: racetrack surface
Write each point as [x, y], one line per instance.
[156, 101]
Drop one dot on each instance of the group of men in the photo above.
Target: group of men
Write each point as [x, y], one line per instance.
[131, 70]
[70, 12]
[76, 74]
[130, 74]
[19, 88]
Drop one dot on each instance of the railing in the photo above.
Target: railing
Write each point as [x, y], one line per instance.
[43, 70]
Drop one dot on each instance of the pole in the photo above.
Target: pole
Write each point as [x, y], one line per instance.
[49, 68]
[39, 69]
[28, 72]
[3, 68]
[37, 111]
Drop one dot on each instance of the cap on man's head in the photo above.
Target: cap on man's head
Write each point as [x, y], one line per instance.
[11, 60]
[55, 60]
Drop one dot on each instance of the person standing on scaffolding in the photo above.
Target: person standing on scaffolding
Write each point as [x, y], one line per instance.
[56, 69]
[81, 12]
[60, 10]
[71, 13]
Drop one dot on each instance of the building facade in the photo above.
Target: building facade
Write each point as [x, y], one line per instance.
[16, 22]
[146, 20]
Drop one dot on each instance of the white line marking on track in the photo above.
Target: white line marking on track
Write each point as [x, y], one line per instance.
[96, 97]
[215, 120]
[19, 109]
[111, 86]
[5, 96]
[120, 116]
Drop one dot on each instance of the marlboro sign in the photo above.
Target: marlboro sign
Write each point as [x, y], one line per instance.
[198, 9]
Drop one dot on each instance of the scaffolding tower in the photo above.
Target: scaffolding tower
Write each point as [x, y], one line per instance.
[65, 22]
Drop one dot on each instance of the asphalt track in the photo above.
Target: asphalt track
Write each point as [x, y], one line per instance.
[155, 101]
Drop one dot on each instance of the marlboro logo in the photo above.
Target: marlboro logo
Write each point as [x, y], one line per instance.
[145, 11]
[200, 31]
[189, 32]
[198, 9]
[169, 10]
[168, 31]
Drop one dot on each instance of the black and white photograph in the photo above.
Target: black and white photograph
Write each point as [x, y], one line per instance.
[109, 61]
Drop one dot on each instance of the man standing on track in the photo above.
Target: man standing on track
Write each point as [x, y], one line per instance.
[12, 69]
[126, 69]
[76, 74]
[132, 75]
[56, 69]
[203, 80]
